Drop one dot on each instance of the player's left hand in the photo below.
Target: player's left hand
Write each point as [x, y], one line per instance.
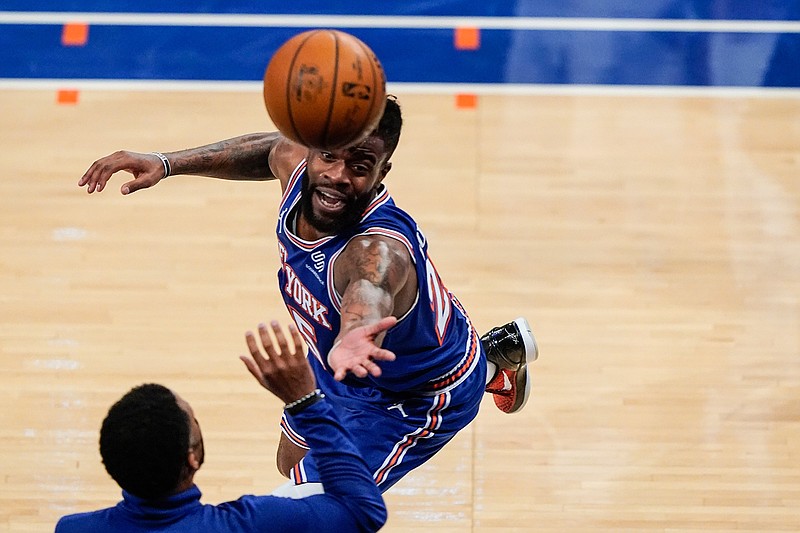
[282, 367]
[357, 352]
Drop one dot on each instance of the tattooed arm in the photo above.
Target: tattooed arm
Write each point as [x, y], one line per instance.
[253, 157]
[240, 158]
[376, 278]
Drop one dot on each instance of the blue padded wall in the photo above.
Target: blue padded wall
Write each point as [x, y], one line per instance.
[650, 57]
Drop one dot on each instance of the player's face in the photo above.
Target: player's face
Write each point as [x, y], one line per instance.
[339, 184]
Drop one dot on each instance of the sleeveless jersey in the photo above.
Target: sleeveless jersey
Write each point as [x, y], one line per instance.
[435, 343]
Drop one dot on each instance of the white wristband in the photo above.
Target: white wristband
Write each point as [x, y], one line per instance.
[167, 167]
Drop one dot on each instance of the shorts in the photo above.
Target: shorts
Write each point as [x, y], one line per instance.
[395, 434]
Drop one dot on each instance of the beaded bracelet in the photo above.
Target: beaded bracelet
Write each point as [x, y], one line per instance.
[309, 399]
[167, 167]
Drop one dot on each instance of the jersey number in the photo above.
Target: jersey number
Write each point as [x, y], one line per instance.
[440, 300]
[306, 330]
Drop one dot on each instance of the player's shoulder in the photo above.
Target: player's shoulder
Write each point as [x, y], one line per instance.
[82, 522]
[284, 157]
[380, 246]
[384, 212]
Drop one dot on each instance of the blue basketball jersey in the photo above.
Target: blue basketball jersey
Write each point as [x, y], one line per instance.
[436, 346]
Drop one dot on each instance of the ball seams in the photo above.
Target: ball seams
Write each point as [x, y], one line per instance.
[317, 87]
[375, 83]
[290, 82]
[326, 129]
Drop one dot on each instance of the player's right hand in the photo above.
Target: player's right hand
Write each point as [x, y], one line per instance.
[356, 351]
[147, 170]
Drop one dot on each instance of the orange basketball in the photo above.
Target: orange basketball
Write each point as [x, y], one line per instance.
[325, 89]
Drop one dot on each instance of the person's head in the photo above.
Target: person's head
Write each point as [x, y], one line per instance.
[151, 443]
[339, 184]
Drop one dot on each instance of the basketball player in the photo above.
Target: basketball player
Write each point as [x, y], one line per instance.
[152, 447]
[350, 257]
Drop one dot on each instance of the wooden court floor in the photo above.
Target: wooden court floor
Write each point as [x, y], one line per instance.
[652, 242]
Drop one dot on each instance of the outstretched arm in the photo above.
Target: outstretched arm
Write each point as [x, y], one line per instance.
[253, 157]
[240, 158]
[352, 500]
[377, 280]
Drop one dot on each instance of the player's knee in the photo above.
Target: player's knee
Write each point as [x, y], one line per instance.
[283, 466]
[288, 456]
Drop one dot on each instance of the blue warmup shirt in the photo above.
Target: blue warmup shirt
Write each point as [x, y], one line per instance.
[352, 501]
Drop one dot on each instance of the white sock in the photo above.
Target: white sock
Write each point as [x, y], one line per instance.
[491, 371]
[290, 490]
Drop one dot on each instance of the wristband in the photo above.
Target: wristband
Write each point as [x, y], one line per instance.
[167, 167]
[309, 399]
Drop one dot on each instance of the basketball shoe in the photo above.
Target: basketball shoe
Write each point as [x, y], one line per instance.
[511, 348]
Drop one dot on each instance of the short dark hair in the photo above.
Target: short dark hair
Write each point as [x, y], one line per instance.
[144, 441]
[390, 124]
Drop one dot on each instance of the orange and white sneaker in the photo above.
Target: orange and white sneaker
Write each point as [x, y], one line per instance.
[511, 348]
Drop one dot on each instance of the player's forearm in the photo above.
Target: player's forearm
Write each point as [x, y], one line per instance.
[364, 303]
[378, 270]
[241, 158]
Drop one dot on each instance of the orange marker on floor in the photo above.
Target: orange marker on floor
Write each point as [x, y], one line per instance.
[75, 34]
[466, 101]
[467, 38]
[67, 97]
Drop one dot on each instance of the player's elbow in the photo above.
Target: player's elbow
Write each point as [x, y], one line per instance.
[373, 513]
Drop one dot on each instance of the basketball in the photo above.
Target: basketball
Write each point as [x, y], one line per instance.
[325, 89]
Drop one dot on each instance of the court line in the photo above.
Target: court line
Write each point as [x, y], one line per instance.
[412, 88]
[413, 22]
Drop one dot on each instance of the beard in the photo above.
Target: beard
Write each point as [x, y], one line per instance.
[353, 210]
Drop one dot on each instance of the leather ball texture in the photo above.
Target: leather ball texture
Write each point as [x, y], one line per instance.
[325, 89]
